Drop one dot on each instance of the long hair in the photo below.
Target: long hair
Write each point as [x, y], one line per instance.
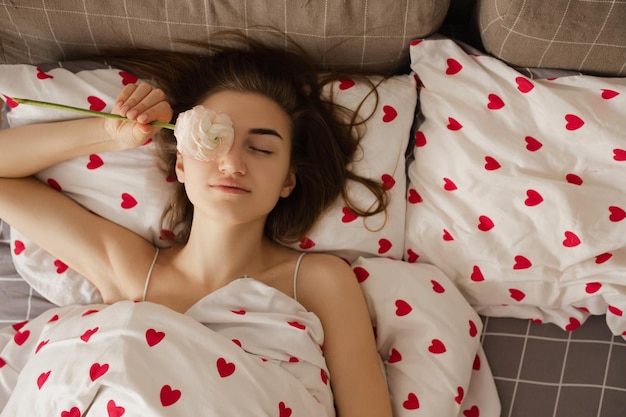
[325, 134]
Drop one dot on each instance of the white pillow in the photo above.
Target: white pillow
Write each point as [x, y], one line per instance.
[128, 188]
[517, 190]
[429, 339]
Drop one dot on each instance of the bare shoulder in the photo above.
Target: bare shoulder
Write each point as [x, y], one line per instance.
[324, 279]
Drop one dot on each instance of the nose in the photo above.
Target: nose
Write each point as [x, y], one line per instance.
[232, 162]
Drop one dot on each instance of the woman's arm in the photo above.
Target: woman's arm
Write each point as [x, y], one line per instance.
[110, 256]
[28, 149]
[329, 288]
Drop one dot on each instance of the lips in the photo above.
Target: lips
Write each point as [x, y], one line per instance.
[230, 186]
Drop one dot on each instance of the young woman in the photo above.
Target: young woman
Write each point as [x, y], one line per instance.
[286, 164]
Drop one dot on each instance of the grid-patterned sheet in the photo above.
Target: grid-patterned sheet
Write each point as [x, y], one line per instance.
[540, 370]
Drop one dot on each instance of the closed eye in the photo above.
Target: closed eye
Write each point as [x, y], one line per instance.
[261, 151]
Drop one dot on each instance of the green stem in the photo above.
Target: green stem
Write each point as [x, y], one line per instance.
[85, 111]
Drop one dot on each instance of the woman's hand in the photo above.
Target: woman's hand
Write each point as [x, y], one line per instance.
[143, 104]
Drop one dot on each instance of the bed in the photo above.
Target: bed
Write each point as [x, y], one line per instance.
[507, 263]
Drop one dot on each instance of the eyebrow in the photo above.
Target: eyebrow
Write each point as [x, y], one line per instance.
[264, 131]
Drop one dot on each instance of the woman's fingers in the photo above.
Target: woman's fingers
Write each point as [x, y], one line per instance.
[137, 101]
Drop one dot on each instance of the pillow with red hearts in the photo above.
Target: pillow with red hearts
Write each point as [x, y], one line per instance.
[128, 187]
[428, 337]
[517, 189]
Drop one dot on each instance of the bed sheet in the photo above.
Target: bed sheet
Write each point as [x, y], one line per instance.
[539, 369]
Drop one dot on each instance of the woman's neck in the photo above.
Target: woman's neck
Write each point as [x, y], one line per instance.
[218, 252]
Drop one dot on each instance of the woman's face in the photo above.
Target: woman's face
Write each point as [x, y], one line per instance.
[244, 184]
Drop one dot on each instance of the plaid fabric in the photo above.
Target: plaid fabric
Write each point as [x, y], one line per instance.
[360, 35]
[541, 370]
[582, 35]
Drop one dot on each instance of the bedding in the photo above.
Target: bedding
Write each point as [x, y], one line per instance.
[442, 378]
[516, 188]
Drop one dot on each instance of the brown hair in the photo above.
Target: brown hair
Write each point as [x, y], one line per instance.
[325, 135]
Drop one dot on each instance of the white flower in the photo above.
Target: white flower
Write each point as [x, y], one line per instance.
[203, 134]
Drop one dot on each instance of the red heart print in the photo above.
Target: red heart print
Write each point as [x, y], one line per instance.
[477, 274]
[61, 267]
[283, 410]
[602, 258]
[388, 182]
[53, 318]
[346, 84]
[453, 124]
[411, 402]
[524, 85]
[485, 223]
[460, 393]
[73, 412]
[167, 235]
[617, 214]
[323, 376]
[394, 356]
[420, 139]
[592, 287]
[88, 333]
[390, 114]
[533, 198]
[476, 363]
[42, 379]
[454, 66]
[449, 185]
[306, 243]
[95, 162]
[96, 371]
[495, 102]
[472, 412]
[573, 122]
[517, 295]
[154, 337]
[128, 78]
[522, 262]
[42, 75]
[2, 363]
[473, 329]
[615, 311]
[532, 144]
[21, 337]
[297, 325]
[619, 154]
[491, 164]
[437, 347]
[239, 312]
[571, 239]
[114, 410]
[225, 368]
[574, 179]
[361, 273]
[412, 257]
[384, 246]
[437, 287]
[348, 215]
[573, 324]
[18, 326]
[416, 42]
[18, 247]
[88, 312]
[447, 236]
[96, 104]
[54, 184]
[609, 94]
[128, 201]
[169, 396]
[414, 197]
[10, 102]
[41, 345]
[403, 308]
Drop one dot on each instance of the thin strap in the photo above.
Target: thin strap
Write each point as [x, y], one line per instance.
[145, 288]
[295, 276]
